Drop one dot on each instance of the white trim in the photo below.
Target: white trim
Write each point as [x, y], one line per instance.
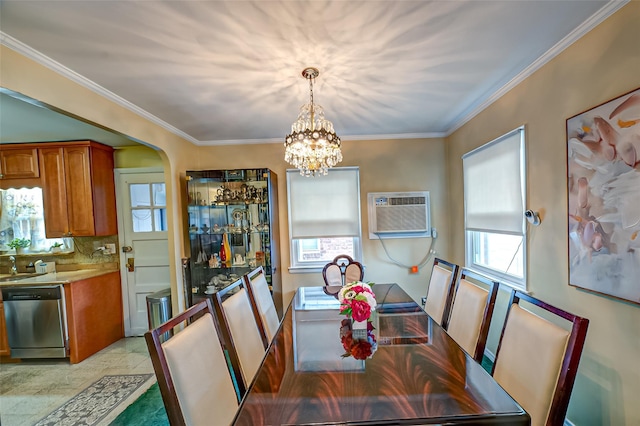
[606, 11]
[38, 57]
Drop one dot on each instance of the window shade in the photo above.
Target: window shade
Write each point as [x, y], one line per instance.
[493, 193]
[324, 206]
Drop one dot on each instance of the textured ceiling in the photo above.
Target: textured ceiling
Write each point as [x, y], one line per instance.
[229, 71]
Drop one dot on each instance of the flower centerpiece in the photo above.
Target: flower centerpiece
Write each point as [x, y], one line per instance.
[357, 301]
[358, 348]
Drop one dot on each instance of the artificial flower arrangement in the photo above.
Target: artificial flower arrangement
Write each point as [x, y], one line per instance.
[357, 300]
[358, 348]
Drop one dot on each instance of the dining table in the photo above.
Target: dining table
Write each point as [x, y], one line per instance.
[406, 370]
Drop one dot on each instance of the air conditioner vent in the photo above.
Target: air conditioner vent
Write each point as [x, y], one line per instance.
[399, 215]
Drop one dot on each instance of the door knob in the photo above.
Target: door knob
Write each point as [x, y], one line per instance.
[127, 249]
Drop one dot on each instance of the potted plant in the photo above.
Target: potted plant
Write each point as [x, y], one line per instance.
[56, 247]
[19, 244]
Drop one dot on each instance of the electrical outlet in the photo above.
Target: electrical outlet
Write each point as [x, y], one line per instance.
[110, 249]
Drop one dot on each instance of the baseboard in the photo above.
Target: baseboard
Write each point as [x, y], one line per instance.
[490, 355]
[568, 422]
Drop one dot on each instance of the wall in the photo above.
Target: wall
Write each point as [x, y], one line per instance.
[135, 157]
[385, 166]
[600, 66]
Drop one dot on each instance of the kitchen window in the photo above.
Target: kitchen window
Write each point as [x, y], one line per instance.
[494, 200]
[324, 217]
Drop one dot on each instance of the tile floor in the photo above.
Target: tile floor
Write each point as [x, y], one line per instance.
[32, 389]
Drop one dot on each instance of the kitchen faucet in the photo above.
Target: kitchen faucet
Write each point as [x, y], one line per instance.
[14, 270]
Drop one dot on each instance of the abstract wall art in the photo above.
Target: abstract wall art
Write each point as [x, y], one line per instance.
[603, 165]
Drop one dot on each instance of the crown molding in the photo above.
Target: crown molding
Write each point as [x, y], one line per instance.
[44, 60]
[593, 21]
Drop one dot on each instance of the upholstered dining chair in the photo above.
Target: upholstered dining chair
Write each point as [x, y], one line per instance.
[473, 302]
[190, 367]
[262, 303]
[239, 327]
[340, 271]
[440, 291]
[537, 360]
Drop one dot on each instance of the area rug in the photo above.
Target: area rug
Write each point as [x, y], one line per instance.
[95, 402]
[147, 410]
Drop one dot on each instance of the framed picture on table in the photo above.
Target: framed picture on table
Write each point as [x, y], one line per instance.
[603, 166]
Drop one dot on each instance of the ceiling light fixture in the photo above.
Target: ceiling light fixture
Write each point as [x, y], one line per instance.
[313, 146]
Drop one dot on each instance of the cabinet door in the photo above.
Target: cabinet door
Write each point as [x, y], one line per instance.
[19, 163]
[77, 168]
[4, 342]
[54, 192]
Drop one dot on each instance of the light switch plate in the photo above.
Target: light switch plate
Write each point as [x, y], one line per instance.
[110, 249]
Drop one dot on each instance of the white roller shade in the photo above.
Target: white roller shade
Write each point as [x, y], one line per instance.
[324, 206]
[493, 186]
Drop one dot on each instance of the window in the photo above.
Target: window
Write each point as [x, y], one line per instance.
[148, 207]
[324, 217]
[494, 200]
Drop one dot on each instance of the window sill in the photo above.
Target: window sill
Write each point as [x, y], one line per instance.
[305, 269]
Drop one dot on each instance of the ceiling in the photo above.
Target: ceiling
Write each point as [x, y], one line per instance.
[224, 72]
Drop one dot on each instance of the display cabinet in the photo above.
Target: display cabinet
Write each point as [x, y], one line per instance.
[233, 228]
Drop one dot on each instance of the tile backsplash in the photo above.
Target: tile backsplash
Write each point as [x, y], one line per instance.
[84, 254]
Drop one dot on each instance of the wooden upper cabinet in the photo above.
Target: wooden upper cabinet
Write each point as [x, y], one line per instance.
[18, 163]
[78, 189]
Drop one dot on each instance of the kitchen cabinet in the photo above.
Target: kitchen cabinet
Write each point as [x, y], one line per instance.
[18, 166]
[18, 163]
[239, 207]
[4, 342]
[78, 189]
[94, 314]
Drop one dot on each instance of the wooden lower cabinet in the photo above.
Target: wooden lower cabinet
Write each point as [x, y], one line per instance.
[4, 342]
[94, 314]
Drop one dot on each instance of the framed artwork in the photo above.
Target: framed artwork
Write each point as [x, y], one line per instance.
[603, 165]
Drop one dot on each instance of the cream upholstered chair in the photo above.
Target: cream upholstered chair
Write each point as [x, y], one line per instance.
[473, 302]
[191, 369]
[239, 327]
[537, 360]
[262, 302]
[340, 271]
[440, 291]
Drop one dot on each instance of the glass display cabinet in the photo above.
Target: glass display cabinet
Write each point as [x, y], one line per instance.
[233, 228]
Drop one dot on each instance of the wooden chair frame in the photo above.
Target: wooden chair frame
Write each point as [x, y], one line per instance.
[450, 292]
[218, 298]
[571, 359]
[254, 305]
[493, 286]
[342, 261]
[165, 381]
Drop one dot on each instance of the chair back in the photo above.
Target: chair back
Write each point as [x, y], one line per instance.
[537, 360]
[475, 297]
[440, 291]
[262, 302]
[191, 369]
[340, 271]
[239, 327]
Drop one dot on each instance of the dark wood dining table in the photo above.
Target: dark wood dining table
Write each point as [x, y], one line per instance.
[417, 374]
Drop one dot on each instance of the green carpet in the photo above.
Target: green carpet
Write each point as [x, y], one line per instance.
[148, 409]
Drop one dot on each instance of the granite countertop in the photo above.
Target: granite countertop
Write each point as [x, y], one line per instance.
[60, 277]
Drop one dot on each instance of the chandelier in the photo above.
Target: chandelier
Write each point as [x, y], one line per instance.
[312, 146]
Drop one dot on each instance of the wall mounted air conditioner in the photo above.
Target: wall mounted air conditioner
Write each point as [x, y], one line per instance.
[399, 214]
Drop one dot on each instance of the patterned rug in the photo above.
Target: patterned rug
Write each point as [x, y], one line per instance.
[95, 402]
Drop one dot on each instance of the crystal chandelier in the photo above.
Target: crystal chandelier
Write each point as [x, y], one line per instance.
[313, 146]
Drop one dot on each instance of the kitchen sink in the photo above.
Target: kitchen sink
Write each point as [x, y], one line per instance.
[10, 278]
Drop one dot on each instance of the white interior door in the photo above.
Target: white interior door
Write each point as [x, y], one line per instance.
[144, 251]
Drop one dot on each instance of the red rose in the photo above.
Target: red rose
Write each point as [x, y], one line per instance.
[361, 349]
[360, 310]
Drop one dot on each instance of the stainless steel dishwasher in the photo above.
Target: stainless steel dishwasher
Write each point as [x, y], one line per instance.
[35, 321]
